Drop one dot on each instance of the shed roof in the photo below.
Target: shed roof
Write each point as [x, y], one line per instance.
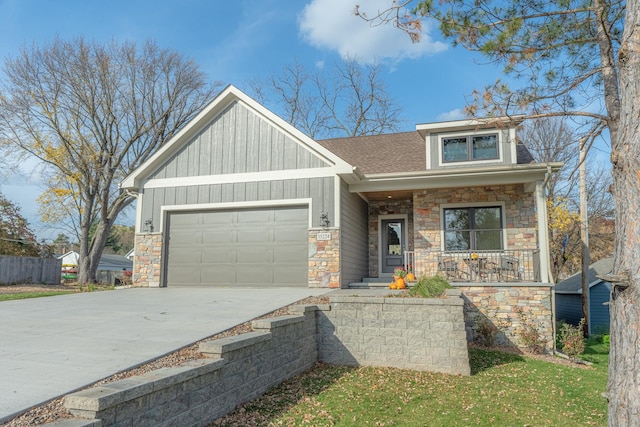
[573, 284]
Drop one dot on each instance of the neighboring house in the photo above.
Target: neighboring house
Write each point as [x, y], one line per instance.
[239, 197]
[129, 255]
[569, 297]
[110, 267]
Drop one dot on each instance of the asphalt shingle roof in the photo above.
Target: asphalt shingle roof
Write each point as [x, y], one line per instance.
[395, 152]
[573, 284]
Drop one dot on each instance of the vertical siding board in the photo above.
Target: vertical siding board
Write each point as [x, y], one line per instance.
[181, 195]
[289, 188]
[229, 123]
[240, 146]
[316, 189]
[264, 190]
[217, 136]
[215, 193]
[191, 196]
[251, 191]
[227, 193]
[239, 194]
[204, 152]
[253, 143]
[203, 194]
[354, 240]
[266, 138]
[280, 152]
[277, 190]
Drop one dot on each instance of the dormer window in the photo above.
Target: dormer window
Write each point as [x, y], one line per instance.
[470, 148]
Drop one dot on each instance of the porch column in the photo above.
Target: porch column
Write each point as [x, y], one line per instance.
[543, 232]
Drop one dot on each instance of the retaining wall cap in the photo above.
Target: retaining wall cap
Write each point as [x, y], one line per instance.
[303, 308]
[236, 342]
[74, 423]
[276, 322]
[94, 399]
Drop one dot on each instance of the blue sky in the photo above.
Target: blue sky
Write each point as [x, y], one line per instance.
[235, 41]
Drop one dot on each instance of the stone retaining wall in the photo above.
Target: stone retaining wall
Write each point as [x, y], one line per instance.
[240, 368]
[422, 334]
[412, 333]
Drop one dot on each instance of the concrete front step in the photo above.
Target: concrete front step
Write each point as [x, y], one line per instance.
[372, 282]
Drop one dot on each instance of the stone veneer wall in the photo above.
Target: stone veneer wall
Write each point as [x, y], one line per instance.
[387, 207]
[499, 305]
[324, 259]
[411, 333]
[147, 260]
[520, 213]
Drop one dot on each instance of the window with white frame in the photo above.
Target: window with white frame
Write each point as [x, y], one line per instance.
[470, 148]
[473, 228]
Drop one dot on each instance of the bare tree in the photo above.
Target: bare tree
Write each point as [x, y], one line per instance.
[92, 113]
[572, 58]
[348, 100]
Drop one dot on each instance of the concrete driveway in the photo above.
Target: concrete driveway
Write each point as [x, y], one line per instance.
[52, 346]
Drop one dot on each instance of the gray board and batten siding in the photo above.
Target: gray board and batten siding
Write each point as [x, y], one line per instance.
[238, 141]
[235, 142]
[354, 235]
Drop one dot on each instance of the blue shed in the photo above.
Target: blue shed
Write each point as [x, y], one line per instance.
[569, 297]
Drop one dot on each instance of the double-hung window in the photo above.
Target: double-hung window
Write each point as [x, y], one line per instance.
[470, 148]
[473, 228]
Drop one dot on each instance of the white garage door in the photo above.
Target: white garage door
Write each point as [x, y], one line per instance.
[248, 247]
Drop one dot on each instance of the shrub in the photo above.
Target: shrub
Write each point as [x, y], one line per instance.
[430, 287]
[529, 333]
[572, 339]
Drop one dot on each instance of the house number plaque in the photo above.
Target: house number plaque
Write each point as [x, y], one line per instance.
[323, 236]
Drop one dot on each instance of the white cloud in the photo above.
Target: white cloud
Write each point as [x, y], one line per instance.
[331, 24]
[455, 114]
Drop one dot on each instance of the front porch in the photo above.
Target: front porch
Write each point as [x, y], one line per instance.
[476, 267]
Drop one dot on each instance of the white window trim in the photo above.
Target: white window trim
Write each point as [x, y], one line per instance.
[165, 210]
[497, 132]
[474, 205]
[405, 242]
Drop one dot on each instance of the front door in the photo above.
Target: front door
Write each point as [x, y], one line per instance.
[393, 239]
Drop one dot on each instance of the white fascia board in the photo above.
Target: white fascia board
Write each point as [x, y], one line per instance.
[441, 178]
[233, 178]
[214, 108]
[489, 122]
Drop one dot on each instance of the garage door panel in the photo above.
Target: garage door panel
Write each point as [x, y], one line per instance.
[217, 218]
[251, 247]
[254, 236]
[217, 236]
[300, 216]
[289, 235]
[218, 255]
[253, 216]
[254, 255]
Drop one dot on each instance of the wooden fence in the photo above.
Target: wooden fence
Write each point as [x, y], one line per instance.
[14, 269]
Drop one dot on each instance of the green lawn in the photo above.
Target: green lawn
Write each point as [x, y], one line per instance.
[504, 390]
[25, 295]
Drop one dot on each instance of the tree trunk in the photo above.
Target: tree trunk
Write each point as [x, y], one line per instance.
[624, 363]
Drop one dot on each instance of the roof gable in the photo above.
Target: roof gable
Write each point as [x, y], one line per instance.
[234, 134]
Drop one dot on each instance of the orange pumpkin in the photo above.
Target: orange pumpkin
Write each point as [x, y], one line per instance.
[393, 285]
[400, 283]
[411, 277]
